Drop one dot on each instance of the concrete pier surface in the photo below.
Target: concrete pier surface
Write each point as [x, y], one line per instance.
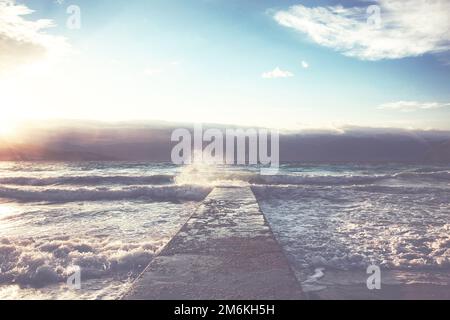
[226, 250]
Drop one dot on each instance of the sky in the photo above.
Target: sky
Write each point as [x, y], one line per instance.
[283, 64]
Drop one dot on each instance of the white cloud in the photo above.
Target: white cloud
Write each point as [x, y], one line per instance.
[277, 73]
[23, 41]
[305, 65]
[413, 105]
[407, 28]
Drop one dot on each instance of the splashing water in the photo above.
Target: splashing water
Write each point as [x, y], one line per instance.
[112, 218]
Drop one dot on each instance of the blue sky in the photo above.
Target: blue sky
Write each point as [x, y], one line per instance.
[214, 61]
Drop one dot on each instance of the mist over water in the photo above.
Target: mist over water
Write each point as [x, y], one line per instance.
[111, 218]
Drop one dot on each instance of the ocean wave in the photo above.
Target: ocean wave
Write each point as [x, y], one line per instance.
[348, 179]
[88, 180]
[209, 178]
[440, 194]
[437, 175]
[315, 180]
[39, 263]
[155, 193]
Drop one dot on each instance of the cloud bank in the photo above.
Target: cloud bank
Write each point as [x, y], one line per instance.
[23, 41]
[392, 29]
[151, 141]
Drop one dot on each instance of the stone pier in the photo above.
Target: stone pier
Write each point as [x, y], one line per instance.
[225, 251]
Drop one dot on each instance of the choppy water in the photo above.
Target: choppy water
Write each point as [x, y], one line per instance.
[111, 218]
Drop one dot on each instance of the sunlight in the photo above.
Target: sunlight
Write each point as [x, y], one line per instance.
[7, 127]
[11, 114]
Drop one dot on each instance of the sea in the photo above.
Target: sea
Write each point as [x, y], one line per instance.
[107, 220]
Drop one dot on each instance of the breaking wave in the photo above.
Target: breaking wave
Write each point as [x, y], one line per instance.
[39, 263]
[88, 180]
[217, 177]
[349, 179]
[155, 193]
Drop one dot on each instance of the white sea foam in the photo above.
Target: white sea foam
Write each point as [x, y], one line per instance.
[351, 227]
[113, 242]
[40, 263]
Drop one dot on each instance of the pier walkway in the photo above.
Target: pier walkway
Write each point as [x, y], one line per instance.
[225, 251]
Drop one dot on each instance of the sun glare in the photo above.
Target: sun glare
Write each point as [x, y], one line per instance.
[7, 128]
